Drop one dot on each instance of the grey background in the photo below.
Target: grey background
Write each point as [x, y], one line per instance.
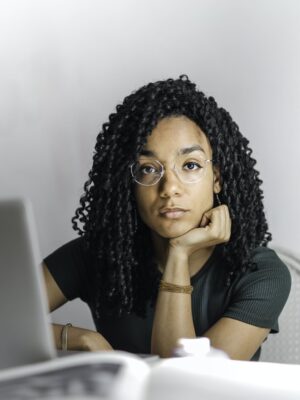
[65, 65]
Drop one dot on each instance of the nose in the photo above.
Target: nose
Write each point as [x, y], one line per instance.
[170, 185]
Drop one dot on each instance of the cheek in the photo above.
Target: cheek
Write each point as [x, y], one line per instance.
[203, 196]
[202, 201]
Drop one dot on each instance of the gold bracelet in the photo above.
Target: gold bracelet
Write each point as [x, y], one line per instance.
[171, 287]
[64, 336]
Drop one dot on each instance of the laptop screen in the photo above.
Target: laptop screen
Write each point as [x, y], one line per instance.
[25, 334]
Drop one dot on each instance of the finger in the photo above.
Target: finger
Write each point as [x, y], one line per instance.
[207, 219]
[227, 223]
[219, 223]
[213, 215]
[204, 221]
[223, 223]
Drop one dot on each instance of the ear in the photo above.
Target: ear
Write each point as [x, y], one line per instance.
[217, 179]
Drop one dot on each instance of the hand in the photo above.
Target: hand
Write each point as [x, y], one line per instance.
[94, 341]
[215, 228]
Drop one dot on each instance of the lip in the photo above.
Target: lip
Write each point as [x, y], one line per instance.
[172, 212]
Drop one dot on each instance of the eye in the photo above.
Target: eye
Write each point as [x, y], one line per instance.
[192, 166]
[147, 169]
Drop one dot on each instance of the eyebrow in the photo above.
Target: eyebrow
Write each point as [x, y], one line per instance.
[183, 151]
[195, 147]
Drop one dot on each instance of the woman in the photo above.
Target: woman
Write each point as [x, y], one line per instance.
[173, 233]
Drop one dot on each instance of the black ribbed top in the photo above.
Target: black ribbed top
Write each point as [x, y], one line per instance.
[256, 297]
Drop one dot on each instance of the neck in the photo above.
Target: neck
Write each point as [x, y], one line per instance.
[196, 260]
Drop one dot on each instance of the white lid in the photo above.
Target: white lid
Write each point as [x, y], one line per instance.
[196, 346]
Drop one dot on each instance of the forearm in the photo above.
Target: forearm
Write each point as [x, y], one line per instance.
[173, 312]
[80, 339]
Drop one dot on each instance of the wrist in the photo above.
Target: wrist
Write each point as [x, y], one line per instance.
[176, 269]
[173, 288]
[64, 336]
[177, 255]
[85, 342]
[93, 341]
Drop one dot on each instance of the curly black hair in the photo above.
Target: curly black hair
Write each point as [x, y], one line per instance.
[126, 273]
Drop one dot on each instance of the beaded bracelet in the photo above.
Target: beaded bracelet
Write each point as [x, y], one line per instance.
[171, 287]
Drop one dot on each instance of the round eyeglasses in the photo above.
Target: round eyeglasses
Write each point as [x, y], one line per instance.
[148, 172]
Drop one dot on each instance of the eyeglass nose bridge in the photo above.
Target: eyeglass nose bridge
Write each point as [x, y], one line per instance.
[163, 172]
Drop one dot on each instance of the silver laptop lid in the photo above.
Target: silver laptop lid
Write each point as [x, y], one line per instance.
[25, 334]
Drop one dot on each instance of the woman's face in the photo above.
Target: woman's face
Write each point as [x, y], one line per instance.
[172, 137]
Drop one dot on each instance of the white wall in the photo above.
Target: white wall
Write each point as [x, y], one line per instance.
[66, 64]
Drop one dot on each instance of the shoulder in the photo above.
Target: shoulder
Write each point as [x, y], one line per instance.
[73, 248]
[270, 277]
[269, 263]
[70, 266]
[264, 254]
[259, 295]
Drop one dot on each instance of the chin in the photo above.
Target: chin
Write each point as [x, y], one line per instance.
[173, 231]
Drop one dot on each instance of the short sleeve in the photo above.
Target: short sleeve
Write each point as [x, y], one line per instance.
[69, 265]
[259, 296]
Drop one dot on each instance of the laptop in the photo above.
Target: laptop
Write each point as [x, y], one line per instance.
[29, 366]
[25, 336]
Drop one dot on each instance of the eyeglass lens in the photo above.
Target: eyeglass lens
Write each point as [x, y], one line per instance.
[149, 171]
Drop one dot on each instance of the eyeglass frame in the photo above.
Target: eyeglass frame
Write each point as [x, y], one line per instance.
[163, 172]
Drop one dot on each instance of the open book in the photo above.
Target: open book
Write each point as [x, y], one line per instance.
[123, 376]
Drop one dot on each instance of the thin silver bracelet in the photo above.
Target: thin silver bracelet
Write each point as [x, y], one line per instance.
[64, 336]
